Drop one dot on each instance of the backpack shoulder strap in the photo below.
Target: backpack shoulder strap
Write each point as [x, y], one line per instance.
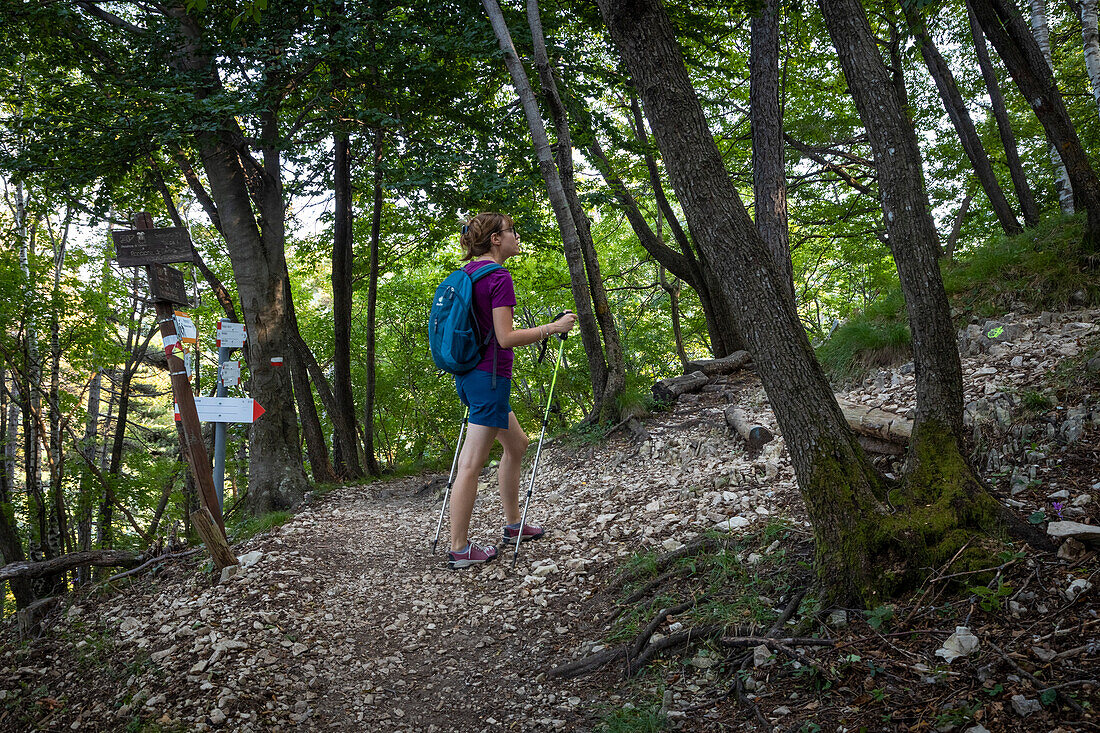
[483, 271]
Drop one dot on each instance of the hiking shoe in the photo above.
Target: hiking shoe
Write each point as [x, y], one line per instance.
[474, 554]
[530, 532]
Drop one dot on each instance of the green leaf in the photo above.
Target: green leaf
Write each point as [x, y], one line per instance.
[1037, 517]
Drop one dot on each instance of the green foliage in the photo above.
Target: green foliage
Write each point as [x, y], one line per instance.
[990, 598]
[879, 617]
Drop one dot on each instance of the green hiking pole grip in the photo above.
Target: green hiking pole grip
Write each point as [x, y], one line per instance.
[451, 478]
[538, 452]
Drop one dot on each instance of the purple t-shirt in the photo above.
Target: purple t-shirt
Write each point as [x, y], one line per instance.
[495, 290]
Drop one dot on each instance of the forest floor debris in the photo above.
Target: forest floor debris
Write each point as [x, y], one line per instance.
[672, 592]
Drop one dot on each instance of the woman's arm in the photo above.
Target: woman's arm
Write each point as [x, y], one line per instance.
[509, 338]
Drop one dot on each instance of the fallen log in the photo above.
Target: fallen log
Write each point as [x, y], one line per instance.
[96, 558]
[876, 423]
[753, 434]
[714, 367]
[667, 390]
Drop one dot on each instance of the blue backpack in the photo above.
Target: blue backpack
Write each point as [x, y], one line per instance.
[453, 333]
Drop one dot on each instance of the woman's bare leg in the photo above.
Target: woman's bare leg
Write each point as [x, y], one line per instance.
[479, 439]
[515, 444]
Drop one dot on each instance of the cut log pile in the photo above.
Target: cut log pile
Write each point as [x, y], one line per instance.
[878, 431]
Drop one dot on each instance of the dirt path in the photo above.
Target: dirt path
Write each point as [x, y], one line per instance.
[344, 620]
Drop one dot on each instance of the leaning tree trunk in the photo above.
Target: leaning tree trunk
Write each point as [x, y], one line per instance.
[1090, 36]
[347, 465]
[606, 404]
[769, 181]
[964, 126]
[863, 551]
[1028, 207]
[1041, 33]
[56, 453]
[574, 257]
[1006, 30]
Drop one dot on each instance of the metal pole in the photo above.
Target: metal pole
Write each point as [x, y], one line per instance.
[451, 478]
[219, 434]
[538, 451]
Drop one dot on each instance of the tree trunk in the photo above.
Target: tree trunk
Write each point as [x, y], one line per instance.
[256, 242]
[956, 228]
[721, 325]
[574, 257]
[1090, 36]
[769, 181]
[964, 125]
[863, 551]
[11, 544]
[347, 464]
[56, 453]
[1041, 33]
[316, 448]
[1005, 29]
[606, 407]
[673, 290]
[372, 309]
[1004, 127]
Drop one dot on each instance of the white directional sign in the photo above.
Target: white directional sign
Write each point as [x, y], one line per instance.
[230, 335]
[231, 373]
[226, 409]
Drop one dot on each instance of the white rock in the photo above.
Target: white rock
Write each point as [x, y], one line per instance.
[762, 655]
[1060, 494]
[544, 570]
[1082, 500]
[129, 625]
[1076, 530]
[217, 717]
[230, 572]
[250, 558]
[1024, 707]
[672, 545]
[959, 644]
[1076, 588]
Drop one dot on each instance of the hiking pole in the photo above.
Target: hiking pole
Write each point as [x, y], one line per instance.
[538, 452]
[451, 478]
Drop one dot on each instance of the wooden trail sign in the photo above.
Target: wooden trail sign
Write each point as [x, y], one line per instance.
[166, 283]
[190, 432]
[136, 247]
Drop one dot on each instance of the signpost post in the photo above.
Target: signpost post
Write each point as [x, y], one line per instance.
[152, 247]
[230, 336]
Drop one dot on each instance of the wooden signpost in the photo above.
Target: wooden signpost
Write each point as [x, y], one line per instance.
[152, 247]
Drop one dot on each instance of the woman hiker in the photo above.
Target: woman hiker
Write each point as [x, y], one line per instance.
[487, 238]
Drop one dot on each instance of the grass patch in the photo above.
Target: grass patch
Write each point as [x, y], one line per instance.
[645, 719]
[251, 526]
[1038, 270]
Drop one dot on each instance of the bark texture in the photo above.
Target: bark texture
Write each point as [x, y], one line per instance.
[964, 125]
[1028, 207]
[1006, 30]
[1041, 33]
[347, 464]
[769, 182]
[574, 255]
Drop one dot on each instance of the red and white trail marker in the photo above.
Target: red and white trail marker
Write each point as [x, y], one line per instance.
[226, 409]
[230, 335]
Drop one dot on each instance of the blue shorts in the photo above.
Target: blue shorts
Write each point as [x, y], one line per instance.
[488, 406]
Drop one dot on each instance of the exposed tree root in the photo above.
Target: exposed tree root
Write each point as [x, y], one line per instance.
[683, 638]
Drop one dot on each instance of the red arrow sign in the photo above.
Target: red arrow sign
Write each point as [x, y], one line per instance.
[226, 409]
